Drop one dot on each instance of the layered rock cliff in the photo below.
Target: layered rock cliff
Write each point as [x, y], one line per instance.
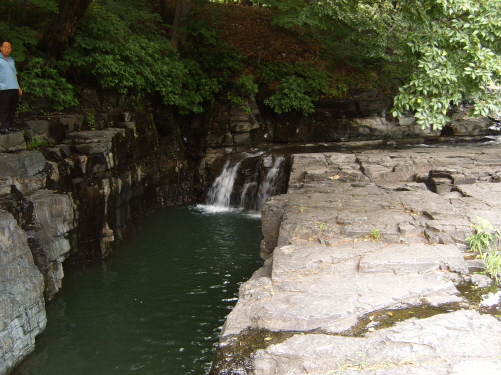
[72, 195]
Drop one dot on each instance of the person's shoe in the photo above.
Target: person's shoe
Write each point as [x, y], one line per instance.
[8, 130]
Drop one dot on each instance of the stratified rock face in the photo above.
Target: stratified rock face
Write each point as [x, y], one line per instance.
[54, 218]
[360, 234]
[73, 201]
[22, 308]
[22, 170]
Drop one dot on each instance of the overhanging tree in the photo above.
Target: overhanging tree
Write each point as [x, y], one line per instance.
[447, 51]
[454, 49]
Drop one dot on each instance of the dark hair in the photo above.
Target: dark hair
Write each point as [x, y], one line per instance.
[5, 41]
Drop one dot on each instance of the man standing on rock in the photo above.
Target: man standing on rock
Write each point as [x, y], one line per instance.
[9, 89]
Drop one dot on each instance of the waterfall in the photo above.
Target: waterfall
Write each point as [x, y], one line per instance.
[245, 192]
[220, 193]
[269, 186]
[243, 184]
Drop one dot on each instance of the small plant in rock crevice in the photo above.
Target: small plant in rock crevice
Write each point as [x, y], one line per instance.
[481, 242]
[374, 235]
[492, 261]
[485, 234]
[322, 226]
[36, 143]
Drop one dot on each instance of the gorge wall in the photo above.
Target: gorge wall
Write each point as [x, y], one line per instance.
[74, 199]
[73, 186]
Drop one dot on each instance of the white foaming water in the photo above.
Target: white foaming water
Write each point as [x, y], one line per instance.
[220, 193]
[270, 181]
[243, 195]
[491, 299]
[252, 194]
[209, 209]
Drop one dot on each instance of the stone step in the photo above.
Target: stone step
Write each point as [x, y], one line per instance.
[12, 142]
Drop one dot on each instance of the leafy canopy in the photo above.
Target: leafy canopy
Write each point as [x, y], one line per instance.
[455, 55]
[123, 45]
[114, 48]
[297, 86]
[446, 51]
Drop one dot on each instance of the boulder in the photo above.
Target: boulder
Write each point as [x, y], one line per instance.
[12, 142]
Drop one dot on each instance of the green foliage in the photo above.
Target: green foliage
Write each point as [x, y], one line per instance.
[298, 86]
[446, 51]
[292, 95]
[210, 62]
[455, 54]
[481, 241]
[484, 235]
[46, 5]
[205, 46]
[374, 235]
[90, 119]
[22, 39]
[492, 262]
[42, 81]
[197, 87]
[246, 85]
[117, 47]
[322, 226]
[36, 143]
[236, 100]
[20, 22]
[122, 45]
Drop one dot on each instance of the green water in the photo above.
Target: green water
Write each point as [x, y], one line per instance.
[155, 307]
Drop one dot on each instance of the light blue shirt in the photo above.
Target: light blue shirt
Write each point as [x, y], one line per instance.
[8, 73]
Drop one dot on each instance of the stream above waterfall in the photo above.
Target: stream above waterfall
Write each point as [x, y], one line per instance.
[156, 307]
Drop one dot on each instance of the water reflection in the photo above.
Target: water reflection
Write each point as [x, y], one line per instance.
[157, 306]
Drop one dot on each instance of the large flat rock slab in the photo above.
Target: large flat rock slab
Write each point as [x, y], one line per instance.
[329, 295]
[413, 258]
[362, 233]
[463, 342]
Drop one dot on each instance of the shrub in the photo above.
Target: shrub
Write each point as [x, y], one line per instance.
[246, 85]
[118, 47]
[36, 143]
[297, 86]
[40, 81]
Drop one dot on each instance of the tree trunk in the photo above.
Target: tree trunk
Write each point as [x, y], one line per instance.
[178, 35]
[167, 10]
[63, 27]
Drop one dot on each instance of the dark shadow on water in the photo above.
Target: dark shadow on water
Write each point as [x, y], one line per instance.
[157, 306]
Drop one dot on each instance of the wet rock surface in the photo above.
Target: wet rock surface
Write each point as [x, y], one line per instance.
[365, 232]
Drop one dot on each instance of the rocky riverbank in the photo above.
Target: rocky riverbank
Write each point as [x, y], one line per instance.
[73, 186]
[70, 194]
[365, 258]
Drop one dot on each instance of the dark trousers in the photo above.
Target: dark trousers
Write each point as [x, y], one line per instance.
[9, 100]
